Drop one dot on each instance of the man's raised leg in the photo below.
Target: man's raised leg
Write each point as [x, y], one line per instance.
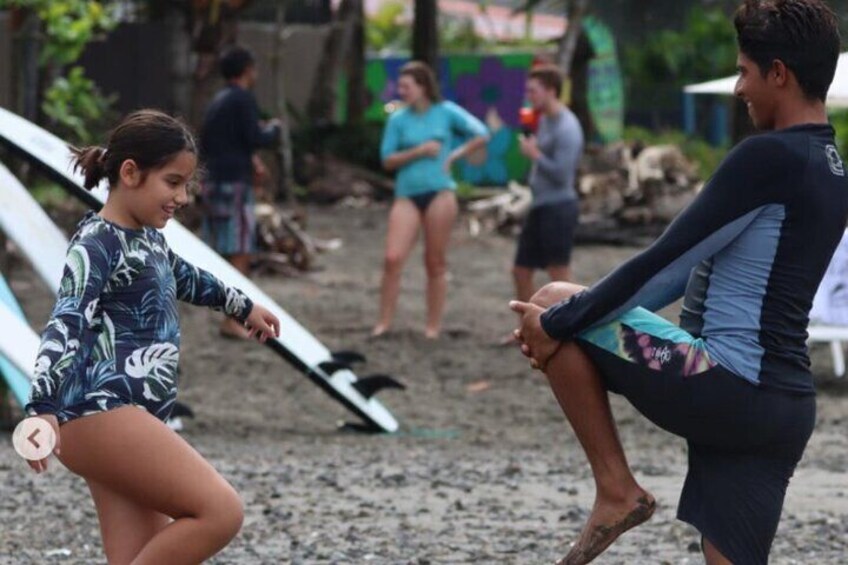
[620, 503]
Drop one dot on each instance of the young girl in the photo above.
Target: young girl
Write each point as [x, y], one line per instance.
[106, 373]
[417, 143]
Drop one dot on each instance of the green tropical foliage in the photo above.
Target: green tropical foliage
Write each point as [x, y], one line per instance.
[839, 119]
[72, 101]
[384, 30]
[704, 49]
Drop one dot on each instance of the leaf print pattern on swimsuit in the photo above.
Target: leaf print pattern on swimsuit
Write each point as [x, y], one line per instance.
[113, 337]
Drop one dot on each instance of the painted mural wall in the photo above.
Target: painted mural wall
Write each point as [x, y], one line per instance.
[492, 88]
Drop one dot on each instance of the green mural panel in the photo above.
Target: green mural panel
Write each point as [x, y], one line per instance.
[492, 88]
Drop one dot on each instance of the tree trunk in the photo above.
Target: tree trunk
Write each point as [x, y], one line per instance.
[356, 100]
[25, 63]
[285, 190]
[176, 19]
[425, 33]
[568, 43]
[322, 101]
[215, 26]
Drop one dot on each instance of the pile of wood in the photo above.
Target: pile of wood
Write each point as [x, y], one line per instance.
[333, 180]
[284, 245]
[503, 212]
[628, 194]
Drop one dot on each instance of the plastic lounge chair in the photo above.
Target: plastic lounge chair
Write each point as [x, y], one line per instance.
[829, 315]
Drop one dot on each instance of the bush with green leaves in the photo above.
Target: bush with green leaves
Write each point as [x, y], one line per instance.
[656, 69]
[72, 101]
[839, 120]
[76, 105]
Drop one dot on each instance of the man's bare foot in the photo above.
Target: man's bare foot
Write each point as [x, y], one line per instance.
[605, 525]
[430, 333]
[232, 329]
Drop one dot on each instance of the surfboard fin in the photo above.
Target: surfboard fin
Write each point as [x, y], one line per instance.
[330, 367]
[372, 384]
[348, 357]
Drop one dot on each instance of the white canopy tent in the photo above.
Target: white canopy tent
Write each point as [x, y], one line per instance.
[837, 96]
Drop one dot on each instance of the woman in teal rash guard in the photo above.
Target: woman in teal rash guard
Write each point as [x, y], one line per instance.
[418, 143]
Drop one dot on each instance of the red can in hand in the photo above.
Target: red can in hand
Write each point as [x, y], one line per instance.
[529, 120]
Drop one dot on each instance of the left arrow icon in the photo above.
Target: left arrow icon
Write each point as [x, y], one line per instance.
[34, 439]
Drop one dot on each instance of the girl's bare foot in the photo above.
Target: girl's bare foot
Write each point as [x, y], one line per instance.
[607, 522]
[431, 333]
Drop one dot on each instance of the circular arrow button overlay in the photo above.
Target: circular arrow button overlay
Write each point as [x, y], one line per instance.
[34, 439]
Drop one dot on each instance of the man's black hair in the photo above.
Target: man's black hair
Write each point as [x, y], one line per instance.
[803, 34]
[235, 61]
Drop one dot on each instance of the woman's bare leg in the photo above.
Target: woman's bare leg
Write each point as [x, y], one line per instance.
[620, 503]
[404, 222]
[132, 453]
[125, 526]
[438, 224]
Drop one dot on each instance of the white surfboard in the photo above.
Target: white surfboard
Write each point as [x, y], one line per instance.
[18, 379]
[32, 230]
[296, 344]
[19, 344]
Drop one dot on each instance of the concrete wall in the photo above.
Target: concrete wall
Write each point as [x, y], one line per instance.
[301, 54]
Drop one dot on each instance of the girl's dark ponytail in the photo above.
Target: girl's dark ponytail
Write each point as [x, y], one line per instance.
[148, 137]
[90, 161]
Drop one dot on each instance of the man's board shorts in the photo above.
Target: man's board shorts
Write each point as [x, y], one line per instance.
[547, 235]
[744, 440]
[229, 217]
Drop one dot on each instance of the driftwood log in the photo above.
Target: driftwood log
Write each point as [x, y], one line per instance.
[283, 242]
[333, 180]
[628, 194]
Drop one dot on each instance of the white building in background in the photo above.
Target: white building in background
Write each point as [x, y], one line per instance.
[490, 22]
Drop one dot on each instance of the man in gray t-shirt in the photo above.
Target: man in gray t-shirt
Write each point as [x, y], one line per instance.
[555, 149]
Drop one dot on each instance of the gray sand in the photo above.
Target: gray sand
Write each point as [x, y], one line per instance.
[493, 477]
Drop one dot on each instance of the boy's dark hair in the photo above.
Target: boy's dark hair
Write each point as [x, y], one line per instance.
[235, 61]
[549, 75]
[424, 76]
[803, 34]
[148, 137]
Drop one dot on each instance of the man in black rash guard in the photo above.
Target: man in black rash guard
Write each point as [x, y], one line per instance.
[747, 256]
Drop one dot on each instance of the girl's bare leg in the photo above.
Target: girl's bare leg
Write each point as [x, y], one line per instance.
[135, 455]
[125, 526]
[620, 503]
[438, 224]
[404, 222]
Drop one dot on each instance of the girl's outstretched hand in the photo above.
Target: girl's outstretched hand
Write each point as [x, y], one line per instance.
[262, 324]
[41, 466]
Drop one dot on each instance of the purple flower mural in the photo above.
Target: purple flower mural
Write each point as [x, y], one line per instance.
[495, 86]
